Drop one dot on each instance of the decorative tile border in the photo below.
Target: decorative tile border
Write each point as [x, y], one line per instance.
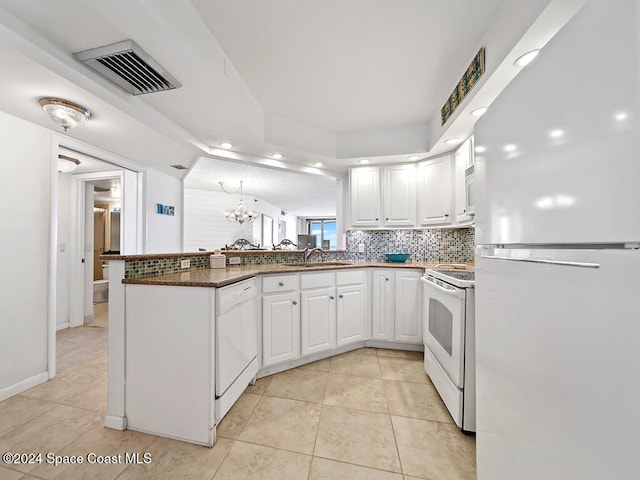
[469, 78]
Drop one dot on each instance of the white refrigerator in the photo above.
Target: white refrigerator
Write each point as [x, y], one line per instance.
[558, 259]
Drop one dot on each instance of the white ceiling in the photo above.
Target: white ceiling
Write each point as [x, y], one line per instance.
[349, 66]
[324, 81]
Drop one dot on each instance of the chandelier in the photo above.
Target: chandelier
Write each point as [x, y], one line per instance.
[241, 213]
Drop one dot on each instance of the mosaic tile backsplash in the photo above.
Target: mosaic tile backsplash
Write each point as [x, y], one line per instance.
[452, 245]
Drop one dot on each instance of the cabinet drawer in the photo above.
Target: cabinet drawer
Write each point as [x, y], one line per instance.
[317, 280]
[279, 283]
[350, 277]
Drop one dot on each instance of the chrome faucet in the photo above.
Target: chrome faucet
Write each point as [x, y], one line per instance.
[308, 252]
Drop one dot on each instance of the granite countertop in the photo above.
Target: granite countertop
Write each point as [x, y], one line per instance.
[207, 277]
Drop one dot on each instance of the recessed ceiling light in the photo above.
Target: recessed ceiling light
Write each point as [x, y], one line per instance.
[480, 149]
[413, 158]
[277, 156]
[509, 147]
[318, 164]
[478, 112]
[556, 133]
[226, 145]
[364, 161]
[452, 141]
[621, 116]
[524, 60]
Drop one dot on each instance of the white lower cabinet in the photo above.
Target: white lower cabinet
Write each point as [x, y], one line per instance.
[329, 309]
[351, 316]
[408, 306]
[280, 328]
[382, 313]
[318, 320]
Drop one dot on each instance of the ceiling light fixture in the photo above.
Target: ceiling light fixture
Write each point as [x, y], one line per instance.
[318, 164]
[526, 59]
[510, 148]
[67, 164]
[452, 141]
[277, 156]
[65, 113]
[241, 214]
[480, 149]
[226, 145]
[478, 112]
[364, 161]
[413, 158]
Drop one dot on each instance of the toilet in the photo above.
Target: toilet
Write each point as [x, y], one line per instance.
[101, 287]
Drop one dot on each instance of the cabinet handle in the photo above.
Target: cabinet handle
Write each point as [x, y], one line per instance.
[331, 297]
[379, 219]
[387, 218]
[386, 279]
[446, 214]
[340, 296]
[281, 284]
[295, 303]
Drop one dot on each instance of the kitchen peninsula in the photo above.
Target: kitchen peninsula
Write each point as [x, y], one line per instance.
[184, 344]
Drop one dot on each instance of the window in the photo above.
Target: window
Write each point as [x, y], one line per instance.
[325, 230]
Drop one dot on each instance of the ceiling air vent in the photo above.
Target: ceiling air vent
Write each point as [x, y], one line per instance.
[129, 67]
[179, 167]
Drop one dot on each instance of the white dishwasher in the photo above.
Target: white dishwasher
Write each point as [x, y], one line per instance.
[236, 362]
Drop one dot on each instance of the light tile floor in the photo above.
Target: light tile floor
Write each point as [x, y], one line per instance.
[370, 414]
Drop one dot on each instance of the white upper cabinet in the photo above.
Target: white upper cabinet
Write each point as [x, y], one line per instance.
[464, 187]
[383, 196]
[399, 194]
[435, 191]
[365, 197]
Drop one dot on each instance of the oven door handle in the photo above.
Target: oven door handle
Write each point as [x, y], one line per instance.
[455, 292]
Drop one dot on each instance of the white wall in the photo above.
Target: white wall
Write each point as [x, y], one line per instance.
[164, 232]
[25, 195]
[205, 225]
[63, 243]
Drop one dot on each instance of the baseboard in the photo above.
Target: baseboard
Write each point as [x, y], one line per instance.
[62, 326]
[88, 319]
[410, 347]
[20, 387]
[115, 422]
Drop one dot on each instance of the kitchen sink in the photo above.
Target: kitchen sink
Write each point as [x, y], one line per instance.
[316, 264]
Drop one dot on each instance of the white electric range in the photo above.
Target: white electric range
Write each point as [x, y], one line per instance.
[449, 340]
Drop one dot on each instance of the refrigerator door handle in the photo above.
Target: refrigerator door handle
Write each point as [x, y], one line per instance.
[547, 262]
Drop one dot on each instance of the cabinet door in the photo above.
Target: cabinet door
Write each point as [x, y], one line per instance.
[365, 196]
[318, 320]
[351, 314]
[434, 192]
[408, 310]
[280, 328]
[464, 160]
[382, 305]
[399, 193]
